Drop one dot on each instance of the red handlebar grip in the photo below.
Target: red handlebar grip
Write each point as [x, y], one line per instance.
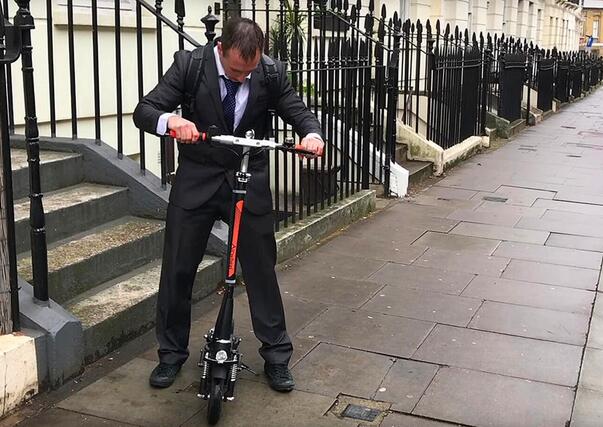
[202, 135]
[302, 150]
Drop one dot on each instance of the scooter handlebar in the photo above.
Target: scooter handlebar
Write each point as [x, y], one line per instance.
[249, 142]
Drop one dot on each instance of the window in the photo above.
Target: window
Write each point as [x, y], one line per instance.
[102, 4]
[596, 29]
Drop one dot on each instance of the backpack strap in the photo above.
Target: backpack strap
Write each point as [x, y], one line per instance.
[271, 77]
[194, 73]
[271, 81]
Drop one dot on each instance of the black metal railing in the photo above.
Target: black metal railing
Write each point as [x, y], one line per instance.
[520, 68]
[344, 72]
[361, 72]
[15, 41]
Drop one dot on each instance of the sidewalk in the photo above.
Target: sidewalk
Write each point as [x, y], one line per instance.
[468, 303]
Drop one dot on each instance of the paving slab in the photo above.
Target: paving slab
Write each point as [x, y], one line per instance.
[397, 231]
[502, 354]
[568, 216]
[258, 405]
[57, 417]
[125, 396]
[503, 208]
[450, 193]
[530, 294]
[415, 218]
[572, 196]
[575, 242]
[405, 383]
[560, 275]
[396, 419]
[517, 195]
[579, 228]
[497, 232]
[531, 322]
[424, 199]
[460, 260]
[298, 312]
[482, 399]
[494, 218]
[328, 289]
[588, 408]
[550, 255]
[558, 205]
[455, 242]
[595, 335]
[392, 335]
[373, 249]
[592, 367]
[422, 278]
[470, 179]
[423, 305]
[407, 209]
[330, 370]
[336, 265]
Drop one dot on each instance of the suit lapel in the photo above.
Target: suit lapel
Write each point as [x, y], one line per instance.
[254, 89]
[211, 80]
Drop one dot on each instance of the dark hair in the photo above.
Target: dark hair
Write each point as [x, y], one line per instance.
[244, 35]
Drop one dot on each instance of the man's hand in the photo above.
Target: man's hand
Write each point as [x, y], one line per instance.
[313, 144]
[186, 132]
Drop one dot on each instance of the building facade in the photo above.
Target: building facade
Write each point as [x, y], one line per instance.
[592, 13]
[547, 23]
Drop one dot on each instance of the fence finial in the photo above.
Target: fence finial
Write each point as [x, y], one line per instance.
[210, 21]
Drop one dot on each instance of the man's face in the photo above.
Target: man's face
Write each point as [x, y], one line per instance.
[235, 66]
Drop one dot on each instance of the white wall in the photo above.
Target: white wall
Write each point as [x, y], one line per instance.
[84, 70]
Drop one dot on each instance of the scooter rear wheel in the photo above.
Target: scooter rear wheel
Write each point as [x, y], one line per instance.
[214, 406]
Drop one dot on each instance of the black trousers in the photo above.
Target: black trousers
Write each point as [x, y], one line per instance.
[187, 232]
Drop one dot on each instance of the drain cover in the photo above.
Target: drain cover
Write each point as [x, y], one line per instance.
[495, 199]
[574, 156]
[362, 413]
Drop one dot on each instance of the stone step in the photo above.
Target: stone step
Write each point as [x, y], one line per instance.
[57, 170]
[77, 264]
[400, 152]
[417, 171]
[72, 210]
[119, 310]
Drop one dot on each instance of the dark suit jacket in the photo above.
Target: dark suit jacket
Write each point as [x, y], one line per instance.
[203, 167]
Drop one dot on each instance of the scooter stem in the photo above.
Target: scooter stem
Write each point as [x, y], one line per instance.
[225, 324]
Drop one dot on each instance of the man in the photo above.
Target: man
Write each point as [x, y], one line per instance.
[233, 95]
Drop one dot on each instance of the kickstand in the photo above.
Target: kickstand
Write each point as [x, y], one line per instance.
[244, 367]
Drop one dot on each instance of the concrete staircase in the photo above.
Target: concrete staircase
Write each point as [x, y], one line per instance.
[417, 171]
[104, 263]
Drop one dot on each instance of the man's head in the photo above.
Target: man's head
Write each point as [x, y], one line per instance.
[240, 48]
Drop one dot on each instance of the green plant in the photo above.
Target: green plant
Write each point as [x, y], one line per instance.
[284, 29]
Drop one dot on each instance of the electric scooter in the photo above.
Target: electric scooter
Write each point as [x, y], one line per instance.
[220, 360]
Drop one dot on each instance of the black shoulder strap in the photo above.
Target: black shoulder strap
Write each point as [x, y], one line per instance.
[194, 73]
[271, 77]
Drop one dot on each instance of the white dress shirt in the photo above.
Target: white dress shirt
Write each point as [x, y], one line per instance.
[241, 99]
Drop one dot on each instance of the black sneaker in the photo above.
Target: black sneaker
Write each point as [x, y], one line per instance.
[164, 375]
[279, 377]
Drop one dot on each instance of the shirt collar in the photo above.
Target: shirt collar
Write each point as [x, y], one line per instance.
[219, 66]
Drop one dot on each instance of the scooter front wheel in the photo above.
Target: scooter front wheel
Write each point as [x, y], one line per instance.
[214, 406]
